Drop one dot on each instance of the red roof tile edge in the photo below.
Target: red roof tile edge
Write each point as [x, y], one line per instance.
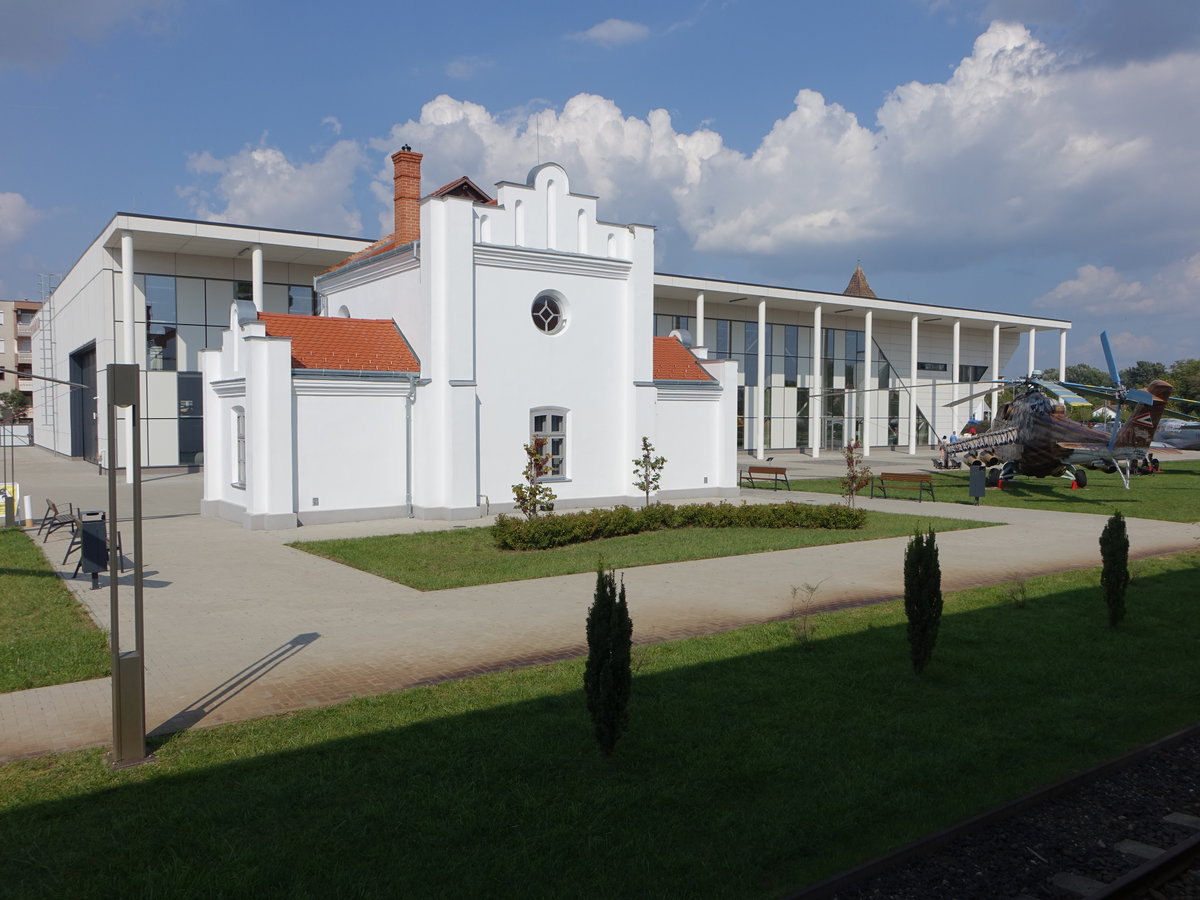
[675, 362]
[337, 344]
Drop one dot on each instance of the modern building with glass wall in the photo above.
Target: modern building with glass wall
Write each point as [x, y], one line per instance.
[880, 374]
[156, 291]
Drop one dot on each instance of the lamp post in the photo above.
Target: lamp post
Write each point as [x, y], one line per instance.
[128, 667]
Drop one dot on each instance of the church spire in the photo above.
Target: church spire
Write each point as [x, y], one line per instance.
[858, 286]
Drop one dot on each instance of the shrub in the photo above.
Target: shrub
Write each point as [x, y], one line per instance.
[857, 476]
[513, 533]
[922, 597]
[607, 677]
[1114, 573]
[647, 469]
[533, 497]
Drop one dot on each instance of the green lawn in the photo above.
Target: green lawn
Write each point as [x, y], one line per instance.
[754, 763]
[1172, 495]
[45, 637]
[434, 560]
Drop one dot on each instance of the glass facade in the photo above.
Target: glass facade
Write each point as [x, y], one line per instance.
[183, 316]
[846, 368]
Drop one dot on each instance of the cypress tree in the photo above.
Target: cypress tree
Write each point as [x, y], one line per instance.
[1114, 575]
[922, 597]
[607, 677]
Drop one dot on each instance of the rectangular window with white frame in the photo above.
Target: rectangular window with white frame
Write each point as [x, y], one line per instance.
[550, 424]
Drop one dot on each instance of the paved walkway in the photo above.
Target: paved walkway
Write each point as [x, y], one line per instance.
[239, 625]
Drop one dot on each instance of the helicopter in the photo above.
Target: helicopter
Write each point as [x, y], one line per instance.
[1031, 434]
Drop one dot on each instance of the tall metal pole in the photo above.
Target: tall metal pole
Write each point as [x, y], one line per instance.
[128, 668]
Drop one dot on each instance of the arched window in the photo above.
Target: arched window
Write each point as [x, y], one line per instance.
[550, 424]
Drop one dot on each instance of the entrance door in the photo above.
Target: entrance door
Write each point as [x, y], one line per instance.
[83, 404]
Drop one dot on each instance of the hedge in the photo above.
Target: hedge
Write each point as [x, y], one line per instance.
[514, 533]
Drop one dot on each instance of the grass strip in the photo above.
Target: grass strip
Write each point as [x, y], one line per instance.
[1172, 495]
[435, 560]
[755, 762]
[45, 636]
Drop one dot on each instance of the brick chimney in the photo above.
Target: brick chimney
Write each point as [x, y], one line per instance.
[407, 180]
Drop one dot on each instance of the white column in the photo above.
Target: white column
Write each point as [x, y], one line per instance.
[700, 320]
[816, 405]
[995, 366]
[256, 276]
[869, 393]
[760, 423]
[954, 365]
[1062, 354]
[1032, 348]
[912, 391]
[128, 354]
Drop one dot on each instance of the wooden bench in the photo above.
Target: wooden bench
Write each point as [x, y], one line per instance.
[904, 481]
[775, 474]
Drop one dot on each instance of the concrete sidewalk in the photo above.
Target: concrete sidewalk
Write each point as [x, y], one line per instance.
[239, 625]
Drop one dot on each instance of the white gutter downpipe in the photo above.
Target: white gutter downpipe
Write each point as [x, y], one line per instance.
[700, 320]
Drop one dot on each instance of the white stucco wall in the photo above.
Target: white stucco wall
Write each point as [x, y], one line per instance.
[350, 448]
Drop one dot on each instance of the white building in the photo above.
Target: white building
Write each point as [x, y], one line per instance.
[817, 395]
[447, 346]
[156, 292]
[523, 313]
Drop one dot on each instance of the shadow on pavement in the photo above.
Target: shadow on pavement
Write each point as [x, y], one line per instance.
[232, 686]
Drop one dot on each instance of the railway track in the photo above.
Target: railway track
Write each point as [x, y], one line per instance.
[1129, 828]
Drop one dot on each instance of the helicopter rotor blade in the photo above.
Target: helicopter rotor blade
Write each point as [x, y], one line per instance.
[1112, 366]
[970, 397]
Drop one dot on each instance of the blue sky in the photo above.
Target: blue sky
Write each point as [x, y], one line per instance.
[1029, 155]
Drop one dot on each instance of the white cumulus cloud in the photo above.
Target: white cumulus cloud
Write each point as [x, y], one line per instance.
[17, 216]
[262, 186]
[1017, 153]
[613, 33]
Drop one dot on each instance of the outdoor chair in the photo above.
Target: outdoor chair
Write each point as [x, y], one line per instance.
[54, 520]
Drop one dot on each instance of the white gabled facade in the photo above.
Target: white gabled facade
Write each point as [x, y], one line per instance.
[464, 295]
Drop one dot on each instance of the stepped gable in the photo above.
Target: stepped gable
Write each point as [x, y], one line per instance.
[406, 203]
[351, 345]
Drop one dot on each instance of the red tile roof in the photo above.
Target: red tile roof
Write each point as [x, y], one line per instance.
[675, 362]
[354, 345]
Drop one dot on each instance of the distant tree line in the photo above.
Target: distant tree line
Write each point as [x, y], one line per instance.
[1184, 375]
